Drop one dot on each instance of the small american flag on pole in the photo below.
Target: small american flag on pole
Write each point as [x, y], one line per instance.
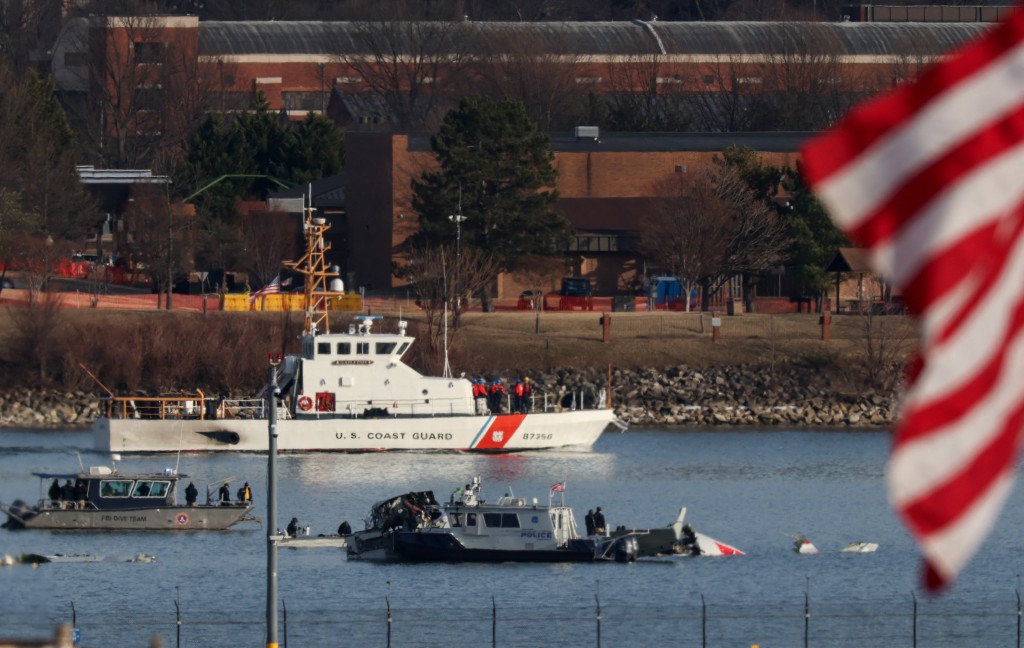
[274, 286]
[558, 487]
[930, 179]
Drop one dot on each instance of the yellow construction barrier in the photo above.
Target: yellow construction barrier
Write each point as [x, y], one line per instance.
[235, 302]
[289, 302]
[350, 302]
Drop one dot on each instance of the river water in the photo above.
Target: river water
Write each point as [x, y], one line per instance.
[753, 489]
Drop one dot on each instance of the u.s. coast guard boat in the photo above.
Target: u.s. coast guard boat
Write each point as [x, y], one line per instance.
[348, 391]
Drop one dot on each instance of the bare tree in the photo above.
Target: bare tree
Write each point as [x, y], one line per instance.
[147, 90]
[269, 240]
[524, 68]
[645, 94]
[446, 281]
[710, 226]
[804, 86]
[160, 237]
[408, 66]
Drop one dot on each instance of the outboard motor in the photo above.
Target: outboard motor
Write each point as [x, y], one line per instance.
[15, 514]
[627, 549]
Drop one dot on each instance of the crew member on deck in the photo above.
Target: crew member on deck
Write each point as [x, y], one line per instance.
[344, 529]
[293, 528]
[67, 493]
[589, 521]
[527, 395]
[191, 494]
[245, 494]
[599, 525]
[55, 491]
[225, 494]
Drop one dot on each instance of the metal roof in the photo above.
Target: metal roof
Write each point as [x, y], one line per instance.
[637, 38]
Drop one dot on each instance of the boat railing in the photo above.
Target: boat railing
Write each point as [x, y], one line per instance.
[178, 406]
[246, 408]
[47, 504]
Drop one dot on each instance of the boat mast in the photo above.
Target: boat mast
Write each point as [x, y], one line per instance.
[313, 266]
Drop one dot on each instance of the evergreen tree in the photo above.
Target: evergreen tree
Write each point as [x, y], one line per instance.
[38, 151]
[496, 172]
[816, 240]
[254, 154]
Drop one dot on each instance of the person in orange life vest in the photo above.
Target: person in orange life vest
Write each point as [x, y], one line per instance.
[527, 392]
[517, 397]
[480, 395]
[497, 396]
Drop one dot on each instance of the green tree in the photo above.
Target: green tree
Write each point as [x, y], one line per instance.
[254, 153]
[816, 240]
[496, 172]
[38, 152]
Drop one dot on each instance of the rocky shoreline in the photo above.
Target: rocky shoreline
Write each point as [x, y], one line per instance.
[785, 396]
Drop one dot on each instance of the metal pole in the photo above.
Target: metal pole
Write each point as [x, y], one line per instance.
[807, 612]
[915, 620]
[494, 622]
[272, 507]
[703, 622]
[177, 615]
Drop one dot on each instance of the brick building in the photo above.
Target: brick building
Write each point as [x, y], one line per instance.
[132, 78]
[605, 187]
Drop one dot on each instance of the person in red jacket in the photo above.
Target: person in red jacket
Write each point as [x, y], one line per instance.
[527, 395]
[517, 397]
[497, 396]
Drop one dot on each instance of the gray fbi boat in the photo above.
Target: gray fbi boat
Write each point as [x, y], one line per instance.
[108, 499]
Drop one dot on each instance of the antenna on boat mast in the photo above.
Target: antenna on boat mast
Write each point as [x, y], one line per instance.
[315, 270]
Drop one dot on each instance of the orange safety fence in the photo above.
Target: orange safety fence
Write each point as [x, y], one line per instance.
[82, 300]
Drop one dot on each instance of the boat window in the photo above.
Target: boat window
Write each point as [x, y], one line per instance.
[501, 520]
[323, 348]
[471, 519]
[385, 348]
[145, 488]
[362, 348]
[401, 349]
[344, 348]
[118, 488]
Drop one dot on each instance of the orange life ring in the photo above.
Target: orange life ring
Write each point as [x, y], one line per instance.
[305, 403]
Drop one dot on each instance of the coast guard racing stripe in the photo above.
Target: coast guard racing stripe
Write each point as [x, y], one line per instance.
[497, 432]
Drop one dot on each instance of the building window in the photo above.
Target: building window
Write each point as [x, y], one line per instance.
[76, 59]
[149, 98]
[237, 100]
[599, 243]
[149, 53]
[304, 101]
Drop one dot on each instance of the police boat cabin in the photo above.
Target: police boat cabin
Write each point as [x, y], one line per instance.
[469, 529]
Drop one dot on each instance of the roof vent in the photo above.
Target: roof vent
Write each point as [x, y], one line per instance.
[588, 132]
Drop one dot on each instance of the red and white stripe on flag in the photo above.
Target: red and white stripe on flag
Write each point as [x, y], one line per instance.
[930, 179]
[273, 287]
[558, 487]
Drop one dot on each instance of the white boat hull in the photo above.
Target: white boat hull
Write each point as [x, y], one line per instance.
[504, 433]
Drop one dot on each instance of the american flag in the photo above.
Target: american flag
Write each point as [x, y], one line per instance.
[274, 286]
[929, 179]
[558, 487]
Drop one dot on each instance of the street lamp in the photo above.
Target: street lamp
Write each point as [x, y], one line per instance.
[457, 219]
